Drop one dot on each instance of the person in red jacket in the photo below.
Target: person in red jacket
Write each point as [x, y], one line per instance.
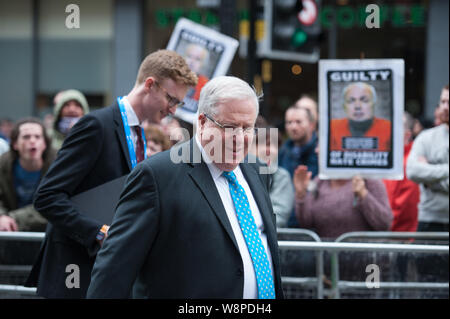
[359, 102]
[404, 195]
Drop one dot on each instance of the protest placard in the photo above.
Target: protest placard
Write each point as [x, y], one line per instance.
[207, 52]
[361, 118]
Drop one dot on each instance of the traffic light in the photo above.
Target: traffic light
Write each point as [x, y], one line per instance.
[292, 30]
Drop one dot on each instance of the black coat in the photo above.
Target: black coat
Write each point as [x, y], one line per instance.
[172, 235]
[94, 153]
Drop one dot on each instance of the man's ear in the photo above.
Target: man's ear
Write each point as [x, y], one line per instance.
[148, 83]
[202, 119]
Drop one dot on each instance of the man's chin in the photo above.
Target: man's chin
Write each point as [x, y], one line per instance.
[227, 167]
[229, 164]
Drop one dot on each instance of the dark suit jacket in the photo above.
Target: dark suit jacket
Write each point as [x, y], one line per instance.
[94, 153]
[171, 233]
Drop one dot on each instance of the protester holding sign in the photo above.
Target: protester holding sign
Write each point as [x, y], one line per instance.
[334, 207]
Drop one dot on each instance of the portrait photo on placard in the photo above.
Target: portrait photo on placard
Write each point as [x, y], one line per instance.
[201, 55]
[361, 110]
[207, 52]
[360, 121]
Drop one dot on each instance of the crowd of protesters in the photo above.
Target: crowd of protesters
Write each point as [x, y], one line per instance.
[300, 199]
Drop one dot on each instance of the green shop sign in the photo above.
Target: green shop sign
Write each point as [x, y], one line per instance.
[397, 16]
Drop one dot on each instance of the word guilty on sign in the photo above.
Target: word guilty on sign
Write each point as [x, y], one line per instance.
[353, 76]
[208, 44]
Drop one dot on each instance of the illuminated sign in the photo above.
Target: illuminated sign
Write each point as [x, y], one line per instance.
[396, 16]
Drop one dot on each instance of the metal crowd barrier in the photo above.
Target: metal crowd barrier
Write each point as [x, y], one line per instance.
[336, 247]
[18, 289]
[34, 236]
[337, 284]
[316, 245]
[20, 236]
[391, 234]
[332, 246]
[319, 261]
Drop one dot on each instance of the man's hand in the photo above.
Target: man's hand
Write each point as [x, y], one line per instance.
[104, 230]
[301, 181]
[8, 224]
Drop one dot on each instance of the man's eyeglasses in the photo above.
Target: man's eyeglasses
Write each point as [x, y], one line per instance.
[245, 130]
[170, 99]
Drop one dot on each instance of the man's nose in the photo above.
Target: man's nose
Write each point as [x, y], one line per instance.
[238, 135]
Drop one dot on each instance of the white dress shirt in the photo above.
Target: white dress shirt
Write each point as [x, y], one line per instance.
[250, 283]
[132, 120]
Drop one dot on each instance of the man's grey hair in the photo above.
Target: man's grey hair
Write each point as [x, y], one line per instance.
[222, 89]
[361, 85]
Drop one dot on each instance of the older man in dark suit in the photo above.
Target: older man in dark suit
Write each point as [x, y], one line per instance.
[196, 221]
[102, 146]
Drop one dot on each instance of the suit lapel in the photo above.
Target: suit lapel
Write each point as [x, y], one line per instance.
[121, 133]
[260, 195]
[203, 179]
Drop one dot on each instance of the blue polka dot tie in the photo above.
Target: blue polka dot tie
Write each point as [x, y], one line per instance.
[254, 244]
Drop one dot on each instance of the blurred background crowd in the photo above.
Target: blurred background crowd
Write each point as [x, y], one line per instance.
[300, 199]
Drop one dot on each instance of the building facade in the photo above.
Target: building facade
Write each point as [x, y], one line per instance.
[42, 51]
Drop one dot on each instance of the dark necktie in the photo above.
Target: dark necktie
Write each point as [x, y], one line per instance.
[139, 144]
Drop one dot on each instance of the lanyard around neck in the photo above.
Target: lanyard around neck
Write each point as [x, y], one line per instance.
[126, 127]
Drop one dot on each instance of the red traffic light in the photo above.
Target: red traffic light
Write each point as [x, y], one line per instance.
[308, 15]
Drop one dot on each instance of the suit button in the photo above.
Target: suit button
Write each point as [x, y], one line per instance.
[239, 272]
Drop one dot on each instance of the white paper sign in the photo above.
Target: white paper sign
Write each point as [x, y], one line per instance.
[361, 118]
[208, 53]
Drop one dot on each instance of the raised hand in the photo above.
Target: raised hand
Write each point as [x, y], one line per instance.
[359, 186]
[301, 181]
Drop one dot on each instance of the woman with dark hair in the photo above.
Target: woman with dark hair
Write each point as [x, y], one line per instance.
[21, 169]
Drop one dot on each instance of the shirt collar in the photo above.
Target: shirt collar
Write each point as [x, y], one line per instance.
[131, 115]
[213, 169]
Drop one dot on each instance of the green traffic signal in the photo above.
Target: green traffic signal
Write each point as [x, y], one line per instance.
[299, 38]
